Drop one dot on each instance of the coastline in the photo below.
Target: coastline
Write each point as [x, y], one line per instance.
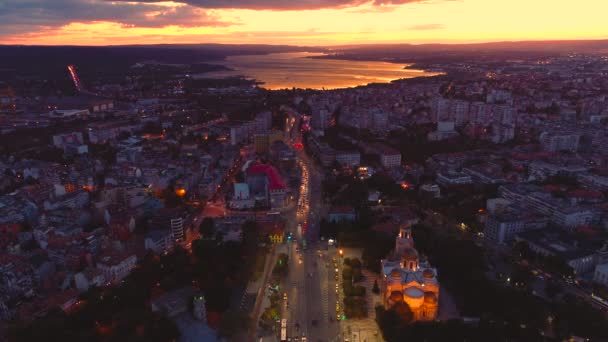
[408, 65]
[298, 70]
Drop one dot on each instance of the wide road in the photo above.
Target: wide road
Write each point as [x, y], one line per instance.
[310, 308]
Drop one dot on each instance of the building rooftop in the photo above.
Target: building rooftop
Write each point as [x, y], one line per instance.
[274, 178]
[561, 243]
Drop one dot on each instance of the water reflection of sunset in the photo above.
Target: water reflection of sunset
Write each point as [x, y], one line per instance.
[287, 70]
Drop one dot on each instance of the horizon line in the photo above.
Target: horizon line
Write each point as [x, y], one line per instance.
[319, 46]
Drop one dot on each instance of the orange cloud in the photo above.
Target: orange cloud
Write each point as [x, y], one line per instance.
[330, 22]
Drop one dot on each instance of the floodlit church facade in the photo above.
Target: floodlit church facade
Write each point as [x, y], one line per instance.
[408, 278]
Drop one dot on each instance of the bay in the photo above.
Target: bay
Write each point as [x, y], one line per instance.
[289, 70]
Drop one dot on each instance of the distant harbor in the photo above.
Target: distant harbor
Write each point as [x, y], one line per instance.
[297, 70]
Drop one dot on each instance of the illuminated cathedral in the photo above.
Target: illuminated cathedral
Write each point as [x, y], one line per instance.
[408, 278]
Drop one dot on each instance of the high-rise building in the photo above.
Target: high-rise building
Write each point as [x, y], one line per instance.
[321, 119]
[379, 120]
[460, 112]
[440, 108]
[480, 113]
[556, 141]
[171, 219]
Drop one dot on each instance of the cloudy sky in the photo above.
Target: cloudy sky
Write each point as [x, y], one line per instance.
[300, 22]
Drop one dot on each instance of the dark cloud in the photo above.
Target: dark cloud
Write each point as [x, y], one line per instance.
[282, 5]
[425, 27]
[265, 4]
[19, 16]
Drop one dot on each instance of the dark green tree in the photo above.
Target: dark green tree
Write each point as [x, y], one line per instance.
[233, 322]
[207, 228]
[403, 311]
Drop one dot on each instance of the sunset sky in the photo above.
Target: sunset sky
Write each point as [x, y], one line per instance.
[303, 22]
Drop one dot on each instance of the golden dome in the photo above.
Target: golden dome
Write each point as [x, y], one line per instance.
[430, 298]
[428, 273]
[396, 296]
[395, 273]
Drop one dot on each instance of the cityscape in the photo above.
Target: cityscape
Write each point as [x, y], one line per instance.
[254, 171]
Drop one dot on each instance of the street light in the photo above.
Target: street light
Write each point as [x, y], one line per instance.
[341, 252]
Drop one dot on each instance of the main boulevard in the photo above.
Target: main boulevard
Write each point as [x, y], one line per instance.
[310, 307]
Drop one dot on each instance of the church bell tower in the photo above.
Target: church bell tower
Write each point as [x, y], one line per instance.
[404, 240]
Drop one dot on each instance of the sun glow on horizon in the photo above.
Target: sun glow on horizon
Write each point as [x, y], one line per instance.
[424, 22]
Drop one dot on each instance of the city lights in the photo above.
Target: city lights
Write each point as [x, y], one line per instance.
[164, 180]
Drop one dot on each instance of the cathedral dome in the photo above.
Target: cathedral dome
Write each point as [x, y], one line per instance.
[414, 297]
[414, 292]
[428, 273]
[396, 296]
[395, 273]
[430, 298]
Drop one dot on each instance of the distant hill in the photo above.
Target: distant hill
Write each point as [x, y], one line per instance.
[553, 46]
[424, 55]
[51, 61]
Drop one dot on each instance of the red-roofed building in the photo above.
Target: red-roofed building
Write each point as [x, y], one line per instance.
[586, 194]
[116, 266]
[532, 155]
[587, 230]
[275, 182]
[8, 236]
[120, 230]
[12, 228]
[389, 157]
[64, 300]
[552, 188]
[273, 188]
